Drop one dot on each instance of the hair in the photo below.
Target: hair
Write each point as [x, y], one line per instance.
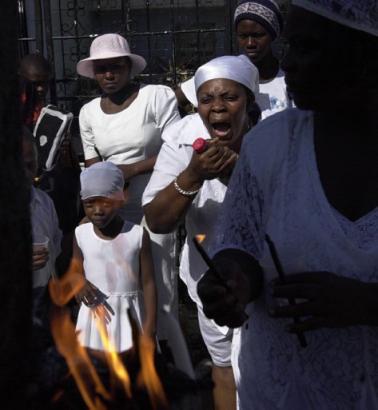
[35, 61]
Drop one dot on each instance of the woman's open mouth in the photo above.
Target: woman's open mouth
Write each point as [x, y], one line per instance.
[221, 130]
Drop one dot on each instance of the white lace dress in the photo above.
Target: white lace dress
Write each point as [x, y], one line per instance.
[276, 189]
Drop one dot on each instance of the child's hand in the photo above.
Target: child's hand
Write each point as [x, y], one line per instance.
[88, 294]
[103, 311]
[92, 297]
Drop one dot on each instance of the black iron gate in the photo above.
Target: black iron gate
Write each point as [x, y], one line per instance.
[175, 37]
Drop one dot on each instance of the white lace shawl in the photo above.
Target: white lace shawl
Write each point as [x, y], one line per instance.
[276, 188]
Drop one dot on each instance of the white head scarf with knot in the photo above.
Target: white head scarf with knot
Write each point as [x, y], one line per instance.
[102, 179]
[357, 14]
[236, 68]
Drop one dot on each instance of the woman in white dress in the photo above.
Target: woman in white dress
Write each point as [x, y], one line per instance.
[191, 185]
[308, 178]
[124, 126]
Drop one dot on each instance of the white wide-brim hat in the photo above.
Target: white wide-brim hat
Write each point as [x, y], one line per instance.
[110, 46]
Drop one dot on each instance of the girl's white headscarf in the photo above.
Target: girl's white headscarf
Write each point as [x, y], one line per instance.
[236, 68]
[358, 14]
[102, 179]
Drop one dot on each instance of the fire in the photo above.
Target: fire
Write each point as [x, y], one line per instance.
[114, 362]
[64, 289]
[148, 375]
[78, 361]
[200, 237]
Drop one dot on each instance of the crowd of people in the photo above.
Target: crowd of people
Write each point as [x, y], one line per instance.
[283, 189]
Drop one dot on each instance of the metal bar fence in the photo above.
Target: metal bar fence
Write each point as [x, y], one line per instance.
[175, 37]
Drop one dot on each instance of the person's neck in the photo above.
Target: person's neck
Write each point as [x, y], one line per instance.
[111, 230]
[122, 95]
[268, 68]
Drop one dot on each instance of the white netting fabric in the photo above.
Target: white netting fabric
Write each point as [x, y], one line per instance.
[358, 14]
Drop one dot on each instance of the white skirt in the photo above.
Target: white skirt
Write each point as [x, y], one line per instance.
[118, 329]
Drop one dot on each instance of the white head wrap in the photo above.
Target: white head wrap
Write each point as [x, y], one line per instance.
[236, 68]
[102, 179]
[189, 90]
[358, 14]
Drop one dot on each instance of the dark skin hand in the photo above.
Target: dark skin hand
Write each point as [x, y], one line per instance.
[226, 295]
[331, 301]
[217, 161]
[93, 298]
[39, 258]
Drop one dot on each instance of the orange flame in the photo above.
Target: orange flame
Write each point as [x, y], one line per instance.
[62, 290]
[88, 382]
[148, 375]
[78, 361]
[200, 237]
[114, 362]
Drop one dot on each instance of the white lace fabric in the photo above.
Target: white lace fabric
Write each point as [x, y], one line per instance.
[276, 189]
[358, 14]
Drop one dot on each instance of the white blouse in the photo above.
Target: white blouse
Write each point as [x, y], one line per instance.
[132, 135]
[174, 157]
[272, 96]
[276, 189]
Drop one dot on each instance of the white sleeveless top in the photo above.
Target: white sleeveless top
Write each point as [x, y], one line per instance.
[112, 266]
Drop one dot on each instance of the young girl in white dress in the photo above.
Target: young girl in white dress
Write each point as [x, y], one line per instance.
[116, 260]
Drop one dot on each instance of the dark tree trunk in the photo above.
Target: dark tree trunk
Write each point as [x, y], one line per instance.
[15, 236]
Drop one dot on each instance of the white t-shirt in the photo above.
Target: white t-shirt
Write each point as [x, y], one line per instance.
[174, 157]
[112, 266]
[45, 224]
[129, 136]
[273, 97]
[276, 189]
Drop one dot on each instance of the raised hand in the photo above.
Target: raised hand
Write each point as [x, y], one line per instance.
[216, 161]
[225, 296]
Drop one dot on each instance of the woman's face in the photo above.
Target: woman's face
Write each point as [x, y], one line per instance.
[112, 74]
[253, 40]
[319, 62]
[222, 105]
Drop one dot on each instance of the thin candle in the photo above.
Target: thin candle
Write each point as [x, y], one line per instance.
[211, 266]
[204, 255]
[281, 274]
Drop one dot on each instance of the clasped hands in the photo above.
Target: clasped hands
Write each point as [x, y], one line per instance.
[323, 299]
